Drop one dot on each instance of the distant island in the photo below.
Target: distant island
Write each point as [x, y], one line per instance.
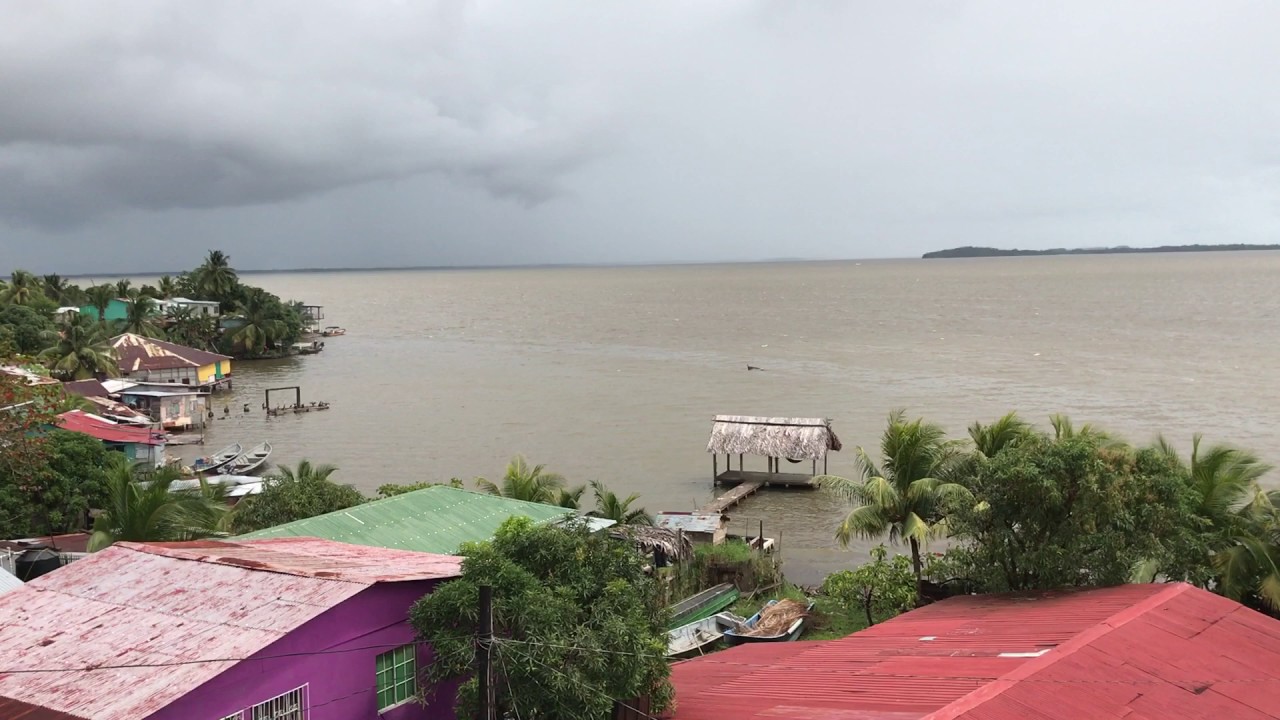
[970, 251]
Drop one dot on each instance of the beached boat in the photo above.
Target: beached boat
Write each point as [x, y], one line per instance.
[787, 617]
[249, 462]
[700, 635]
[333, 331]
[218, 459]
[703, 605]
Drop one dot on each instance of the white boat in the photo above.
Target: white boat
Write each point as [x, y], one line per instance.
[218, 459]
[249, 462]
[699, 634]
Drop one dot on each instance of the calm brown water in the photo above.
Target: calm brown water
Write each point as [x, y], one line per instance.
[614, 373]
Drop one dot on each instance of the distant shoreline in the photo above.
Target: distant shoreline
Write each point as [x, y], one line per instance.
[970, 251]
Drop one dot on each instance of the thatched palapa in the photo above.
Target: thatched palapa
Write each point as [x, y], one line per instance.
[648, 539]
[793, 438]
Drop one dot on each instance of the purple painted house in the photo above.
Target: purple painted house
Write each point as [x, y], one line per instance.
[282, 629]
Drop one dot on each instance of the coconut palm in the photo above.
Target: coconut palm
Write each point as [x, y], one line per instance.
[524, 482]
[903, 497]
[261, 327]
[166, 287]
[305, 471]
[620, 510]
[215, 279]
[57, 288]
[140, 317]
[100, 297]
[187, 327]
[988, 440]
[152, 511]
[1250, 569]
[80, 351]
[23, 288]
[123, 286]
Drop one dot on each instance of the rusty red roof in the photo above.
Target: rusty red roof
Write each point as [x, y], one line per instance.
[142, 353]
[184, 611]
[103, 429]
[1135, 652]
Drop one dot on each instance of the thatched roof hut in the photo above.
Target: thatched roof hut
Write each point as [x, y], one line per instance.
[674, 545]
[776, 437]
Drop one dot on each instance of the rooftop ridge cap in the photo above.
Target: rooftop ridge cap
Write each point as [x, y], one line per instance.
[168, 553]
[1080, 640]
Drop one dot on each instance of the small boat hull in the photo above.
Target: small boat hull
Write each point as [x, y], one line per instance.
[703, 605]
[248, 463]
[217, 460]
[793, 631]
[700, 635]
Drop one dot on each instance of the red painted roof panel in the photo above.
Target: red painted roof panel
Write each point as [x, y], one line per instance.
[1135, 651]
[81, 422]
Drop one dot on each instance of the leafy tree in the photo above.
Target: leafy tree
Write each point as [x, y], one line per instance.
[294, 494]
[524, 482]
[166, 288]
[882, 588]
[151, 511]
[904, 497]
[1074, 509]
[59, 289]
[80, 351]
[141, 316]
[261, 327]
[100, 297]
[577, 622]
[620, 510]
[187, 327]
[392, 489]
[23, 287]
[68, 485]
[1250, 569]
[25, 412]
[27, 328]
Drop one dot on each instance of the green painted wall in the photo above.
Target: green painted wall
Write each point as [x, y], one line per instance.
[116, 310]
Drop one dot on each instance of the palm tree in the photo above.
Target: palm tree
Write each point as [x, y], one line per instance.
[610, 506]
[80, 351]
[215, 279]
[261, 328]
[306, 471]
[56, 288]
[1251, 567]
[23, 288]
[140, 318]
[569, 498]
[166, 287]
[123, 286]
[905, 498]
[522, 482]
[153, 512]
[100, 297]
[187, 327]
[988, 440]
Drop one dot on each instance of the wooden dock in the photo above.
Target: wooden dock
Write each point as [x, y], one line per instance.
[733, 497]
[746, 484]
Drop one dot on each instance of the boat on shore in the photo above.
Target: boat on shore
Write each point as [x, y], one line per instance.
[777, 621]
[248, 463]
[217, 460]
[700, 635]
[333, 331]
[703, 605]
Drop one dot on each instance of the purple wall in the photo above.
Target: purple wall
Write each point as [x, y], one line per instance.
[341, 685]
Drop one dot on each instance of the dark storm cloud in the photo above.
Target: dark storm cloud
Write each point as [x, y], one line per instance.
[335, 133]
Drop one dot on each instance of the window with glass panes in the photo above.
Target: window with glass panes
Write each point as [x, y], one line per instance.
[397, 676]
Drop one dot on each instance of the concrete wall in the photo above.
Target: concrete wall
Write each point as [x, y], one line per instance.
[334, 655]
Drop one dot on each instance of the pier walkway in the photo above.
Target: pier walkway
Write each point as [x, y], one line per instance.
[746, 484]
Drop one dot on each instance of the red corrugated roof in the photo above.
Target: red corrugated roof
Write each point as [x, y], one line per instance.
[135, 604]
[141, 353]
[105, 430]
[1135, 651]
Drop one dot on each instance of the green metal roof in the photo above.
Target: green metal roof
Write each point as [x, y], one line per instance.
[436, 519]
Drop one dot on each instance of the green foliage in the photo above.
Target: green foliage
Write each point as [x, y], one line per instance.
[80, 351]
[531, 483]
[73, 481]
[150, 511]
[577, 621]
[294, 494]
[27, 328]
[100, 297]
[391, 489]
[730, 551]
[25, 412]
[141, 318]
[880, 589]
[618, 509]
[22, 289]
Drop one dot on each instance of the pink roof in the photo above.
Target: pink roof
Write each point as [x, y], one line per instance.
[142, 353]
[1138, 652]
[138, 604]
[77, 421]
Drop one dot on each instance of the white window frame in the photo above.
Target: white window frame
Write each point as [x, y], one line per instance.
[274, 708]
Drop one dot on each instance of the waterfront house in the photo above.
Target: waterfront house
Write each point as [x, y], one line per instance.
[97, 394]
[775, 439]
[698, 528]
[290, 629]
[1164, 651]
[138, 444]
[116, 310]
[146, 359]
[210, 308]
[174, 408]
[436, 519]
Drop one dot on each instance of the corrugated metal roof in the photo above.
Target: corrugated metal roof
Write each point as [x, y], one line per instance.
[142, 353]
[689, 522]
[165, 605]
[8, 582]
[436, 519]
[1135, 651]
[103, 429]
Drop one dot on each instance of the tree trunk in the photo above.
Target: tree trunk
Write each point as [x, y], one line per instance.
[918, 566]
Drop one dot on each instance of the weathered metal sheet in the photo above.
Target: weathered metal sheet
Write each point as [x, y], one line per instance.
[185, 610]
[436, 519]
[689, 522]
[1129, 652]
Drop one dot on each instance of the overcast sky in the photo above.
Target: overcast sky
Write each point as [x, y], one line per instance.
[134, 135]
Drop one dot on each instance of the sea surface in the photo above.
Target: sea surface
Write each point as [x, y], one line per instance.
[615, 373]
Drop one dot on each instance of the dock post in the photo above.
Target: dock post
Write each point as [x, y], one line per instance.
[715, 468]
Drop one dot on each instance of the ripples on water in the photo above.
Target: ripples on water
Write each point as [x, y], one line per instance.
[614, 373]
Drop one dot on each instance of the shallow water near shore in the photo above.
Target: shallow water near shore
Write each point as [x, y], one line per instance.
[615, 373]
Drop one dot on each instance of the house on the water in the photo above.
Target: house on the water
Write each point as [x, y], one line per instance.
[436, 519]
[1163, 651]
[108, 407]
[699, 528]
[174, 407]
[117, 310]
[802, 442]
[139, 444]
[210, 308]
[290, 629]
[144, 359]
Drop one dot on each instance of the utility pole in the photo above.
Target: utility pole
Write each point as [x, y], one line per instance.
[484, 655]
